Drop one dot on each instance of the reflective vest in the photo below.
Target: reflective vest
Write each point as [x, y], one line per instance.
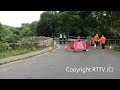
[96, 38]
[64, 36]
[103, 40]
[60, 36]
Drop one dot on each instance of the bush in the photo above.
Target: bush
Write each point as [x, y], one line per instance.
[117, 47]
[4, 46]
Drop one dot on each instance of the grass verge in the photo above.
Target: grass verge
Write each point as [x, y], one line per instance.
[115, 47]
[5, 54]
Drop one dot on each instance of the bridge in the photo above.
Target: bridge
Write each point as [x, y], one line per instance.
[61, 64]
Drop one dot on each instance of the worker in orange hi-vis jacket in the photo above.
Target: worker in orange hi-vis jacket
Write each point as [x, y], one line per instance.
[103, 40]
[96, 38]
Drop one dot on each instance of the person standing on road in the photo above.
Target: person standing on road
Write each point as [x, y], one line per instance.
[95, 40]
[102, 41]
[89, 40]
[64, 38]
[60, 38]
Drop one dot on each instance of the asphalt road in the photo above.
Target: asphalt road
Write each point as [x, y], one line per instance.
[59, 64]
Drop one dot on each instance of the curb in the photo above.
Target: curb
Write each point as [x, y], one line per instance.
[25, 56]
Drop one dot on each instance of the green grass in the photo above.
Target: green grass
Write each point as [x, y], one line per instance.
[115, 47]
[17, 52]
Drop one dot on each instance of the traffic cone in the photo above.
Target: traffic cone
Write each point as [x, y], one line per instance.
[66, 48]
[94, 46]
[50, 49]
[110, 48]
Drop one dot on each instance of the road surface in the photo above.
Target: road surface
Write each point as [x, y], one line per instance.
[59, 64]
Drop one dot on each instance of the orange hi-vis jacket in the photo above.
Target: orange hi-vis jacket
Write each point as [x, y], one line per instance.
[102, 40]
[96, 38]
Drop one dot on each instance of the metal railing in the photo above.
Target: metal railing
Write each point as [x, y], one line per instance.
[72, 38]
[108, 41]
[112, 41]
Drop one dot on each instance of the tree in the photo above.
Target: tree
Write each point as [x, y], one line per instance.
[1, 31]
[33, 27]
[47, 23]
[69, 22]
[27, 30]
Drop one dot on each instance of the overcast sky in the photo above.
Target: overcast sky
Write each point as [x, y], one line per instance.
[15, 18]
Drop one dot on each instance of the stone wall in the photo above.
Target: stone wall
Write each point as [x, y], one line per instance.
[48, 42]
[38, 44]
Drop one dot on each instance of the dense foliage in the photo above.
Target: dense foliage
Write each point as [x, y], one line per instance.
[80, 22]
[84, 23]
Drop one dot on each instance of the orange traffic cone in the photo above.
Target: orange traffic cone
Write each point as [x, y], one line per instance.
[50, 49]
[94, 46]
[110, 48]
[66, 48]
